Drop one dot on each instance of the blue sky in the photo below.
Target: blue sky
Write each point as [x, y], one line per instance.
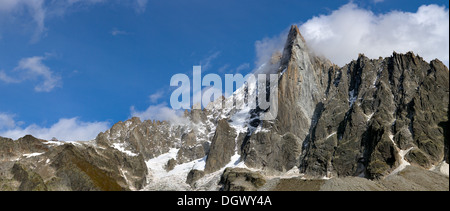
[86, 64]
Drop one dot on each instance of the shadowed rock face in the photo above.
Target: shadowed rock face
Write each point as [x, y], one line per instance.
[364, 119]
[375, 109]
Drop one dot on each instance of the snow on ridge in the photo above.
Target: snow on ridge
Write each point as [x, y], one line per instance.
[56, 143]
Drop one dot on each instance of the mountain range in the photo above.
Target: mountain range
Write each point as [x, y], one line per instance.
[373, 124]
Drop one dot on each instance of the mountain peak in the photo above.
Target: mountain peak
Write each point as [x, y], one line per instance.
[294, 33]
[295, 46]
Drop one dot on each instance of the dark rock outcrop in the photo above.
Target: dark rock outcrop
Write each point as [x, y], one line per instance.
[171, 164]
[29, 180]
[239, 179]
[193, 176]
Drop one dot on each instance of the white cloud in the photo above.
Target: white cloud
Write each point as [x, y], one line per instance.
[65, 129]
[160, 112]
[265, 49]
[34, 68]
[7, 121]
[350, 30]
[267, 46]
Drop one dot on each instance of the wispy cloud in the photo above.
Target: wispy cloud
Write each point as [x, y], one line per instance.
[116, 32]
[265, 49]
[33, 69]
[377, 1]
[38, 11]
[156, 96]
[206, 63]
[140, 5]
[242, 67]
[7, 79]
[71, 129]
[223, 69]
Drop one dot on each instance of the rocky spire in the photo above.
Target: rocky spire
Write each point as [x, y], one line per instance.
[298, 91]
[295, 43]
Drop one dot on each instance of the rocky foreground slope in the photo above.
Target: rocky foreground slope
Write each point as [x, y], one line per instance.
[374, 124]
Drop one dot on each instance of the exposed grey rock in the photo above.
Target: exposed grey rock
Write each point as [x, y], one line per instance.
[29, 180]
[298, 91]
[190, 148]
[223, 146]
[373, 109]
[193, 176]
[239, 179]
[272, 151]
[416, 156]
[171, 164]
[10, 149]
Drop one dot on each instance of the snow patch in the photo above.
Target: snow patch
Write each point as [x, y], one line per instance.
[282, 72]
[443, 168]
[391, 137]
[160, 179]
[32, 154]
[369, 117]
[56, 143]
[329, 136]
[239, 120]
[121, 148]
